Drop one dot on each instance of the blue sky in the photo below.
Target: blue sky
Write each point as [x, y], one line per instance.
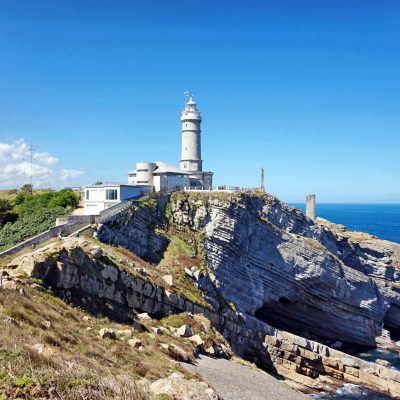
[307, 89]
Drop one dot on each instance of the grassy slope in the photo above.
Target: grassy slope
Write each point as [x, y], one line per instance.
[80, 355]
[80, 364]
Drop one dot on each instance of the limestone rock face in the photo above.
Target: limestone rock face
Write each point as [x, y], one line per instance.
[132, 230]
[274, 263]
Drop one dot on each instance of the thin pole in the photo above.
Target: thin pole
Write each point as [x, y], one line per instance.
[31, 151]
[262, 180]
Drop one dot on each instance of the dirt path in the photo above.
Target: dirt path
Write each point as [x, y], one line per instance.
[234, 381]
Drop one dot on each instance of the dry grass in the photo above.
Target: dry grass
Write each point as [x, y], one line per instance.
[77, 363]
[4, 260]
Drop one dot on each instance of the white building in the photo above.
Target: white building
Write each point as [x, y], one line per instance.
[190, 174]
[157, 176]
[99, 197]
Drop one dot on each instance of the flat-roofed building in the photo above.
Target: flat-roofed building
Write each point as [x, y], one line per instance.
[101, 196]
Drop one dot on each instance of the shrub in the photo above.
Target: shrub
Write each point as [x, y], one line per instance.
[29, 225]
[5, 205]
[64, 198]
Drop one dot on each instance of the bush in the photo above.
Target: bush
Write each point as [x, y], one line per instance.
[65, 198]
[29, 225]
[5, 205]
[7, 217]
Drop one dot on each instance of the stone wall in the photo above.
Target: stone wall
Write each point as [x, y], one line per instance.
[68, 228]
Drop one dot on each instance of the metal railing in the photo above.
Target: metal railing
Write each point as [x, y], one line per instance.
[223, 188]
[111, 212]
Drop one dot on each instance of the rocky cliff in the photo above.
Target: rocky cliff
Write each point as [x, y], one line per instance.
[267, 278]
[104, 280]
[274, 263]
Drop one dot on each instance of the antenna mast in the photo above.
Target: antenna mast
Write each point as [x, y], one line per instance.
[262, 180]
[31, 161]
[186, 93]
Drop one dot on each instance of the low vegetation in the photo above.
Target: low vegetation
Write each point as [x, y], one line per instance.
[23, 214]
[178, 257]
[49, 349]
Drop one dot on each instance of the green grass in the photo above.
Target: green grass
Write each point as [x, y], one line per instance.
[178, 247]
[23, 382]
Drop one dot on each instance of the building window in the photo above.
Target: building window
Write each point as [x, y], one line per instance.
[111, 194]
[87, 194]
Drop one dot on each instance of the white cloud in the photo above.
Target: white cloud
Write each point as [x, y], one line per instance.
[16, 168]
[14, 151]
[67, 174]
[45, 158]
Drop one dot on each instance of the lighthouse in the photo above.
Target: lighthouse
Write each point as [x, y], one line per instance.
[160, 176]
[191, 138]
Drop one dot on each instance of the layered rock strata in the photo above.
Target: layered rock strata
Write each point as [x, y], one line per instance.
[77, 269]
[274, 263]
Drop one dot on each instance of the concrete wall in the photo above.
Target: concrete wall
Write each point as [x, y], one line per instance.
[47, 235]
[144, 173]
[170, 181]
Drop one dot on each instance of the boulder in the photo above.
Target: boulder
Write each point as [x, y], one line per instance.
[107, 333]
[144, 317]
[210, 351]
[9, 285]
[44, 350]
[47, 324]
[188, 272]
[97, 252]
[157, 330]
[197, 340]
[135, 343]
[177, 353]
[143, 271]
[177, 387]
[384, 363]
[203, 327]
[168, 279]
[184, 331]
[110, 272]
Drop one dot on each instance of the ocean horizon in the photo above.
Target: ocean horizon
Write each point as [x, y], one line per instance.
[378, 219]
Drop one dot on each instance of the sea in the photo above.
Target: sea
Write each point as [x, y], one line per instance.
[382, 221]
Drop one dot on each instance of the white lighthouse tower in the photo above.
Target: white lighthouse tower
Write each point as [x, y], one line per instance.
[191, 138]
[191, 146]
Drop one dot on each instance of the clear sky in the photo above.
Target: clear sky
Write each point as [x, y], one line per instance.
[310, 90]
